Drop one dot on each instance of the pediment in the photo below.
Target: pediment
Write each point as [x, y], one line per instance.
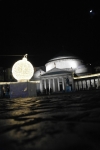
[55, 71]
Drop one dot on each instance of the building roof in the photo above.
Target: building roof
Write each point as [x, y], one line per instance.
[56, 71]
[63, 54]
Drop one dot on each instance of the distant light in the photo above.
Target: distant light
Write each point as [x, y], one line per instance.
[90, 11]
[22, 70]
[90, 64]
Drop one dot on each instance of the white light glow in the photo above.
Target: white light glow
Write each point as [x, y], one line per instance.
[73, 64]
[5, 83]
[87, 76]
[90, 11]
[22, 70]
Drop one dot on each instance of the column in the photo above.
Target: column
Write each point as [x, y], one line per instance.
[94, 83]
[45, 87]
[45, 84]
[86, 85]
[77, 86]
[98, 82]
[79, 82]
[58, 84]
[63, 83]
[82, 84]
[53, 85]
[90, 82]
[49, 84]
[41, 86]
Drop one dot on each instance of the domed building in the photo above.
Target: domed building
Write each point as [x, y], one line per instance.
[59, 74]
[67, 72]
[38, 73]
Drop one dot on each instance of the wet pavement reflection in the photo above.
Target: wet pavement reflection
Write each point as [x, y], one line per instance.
[67, 121]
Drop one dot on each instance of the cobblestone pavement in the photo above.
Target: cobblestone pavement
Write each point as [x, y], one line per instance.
[69, 121]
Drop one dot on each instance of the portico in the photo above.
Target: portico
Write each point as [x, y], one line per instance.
[55, 79]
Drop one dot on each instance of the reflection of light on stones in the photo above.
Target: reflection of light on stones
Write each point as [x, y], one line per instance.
[57, 119]
[9, 122]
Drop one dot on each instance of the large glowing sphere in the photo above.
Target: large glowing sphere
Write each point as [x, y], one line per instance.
[22, 70]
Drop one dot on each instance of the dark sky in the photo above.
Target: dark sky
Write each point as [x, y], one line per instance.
[43, 28]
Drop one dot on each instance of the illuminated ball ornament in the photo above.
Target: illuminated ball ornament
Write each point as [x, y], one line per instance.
[22, 70]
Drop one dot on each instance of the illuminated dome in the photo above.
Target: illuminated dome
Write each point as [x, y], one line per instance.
[38, 73]
[22, 70]
[64, 61]
[83, 69]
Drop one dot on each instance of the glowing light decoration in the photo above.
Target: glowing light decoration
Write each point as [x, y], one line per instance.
[22, 70]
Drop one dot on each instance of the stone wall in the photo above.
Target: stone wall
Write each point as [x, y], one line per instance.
[22, 89]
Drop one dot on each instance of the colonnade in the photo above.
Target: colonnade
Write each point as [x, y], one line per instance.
[52, 83]
[87, 84]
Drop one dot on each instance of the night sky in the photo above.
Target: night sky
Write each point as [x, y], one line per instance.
[44, 28]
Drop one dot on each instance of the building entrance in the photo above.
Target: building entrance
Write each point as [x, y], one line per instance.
[60, 87]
